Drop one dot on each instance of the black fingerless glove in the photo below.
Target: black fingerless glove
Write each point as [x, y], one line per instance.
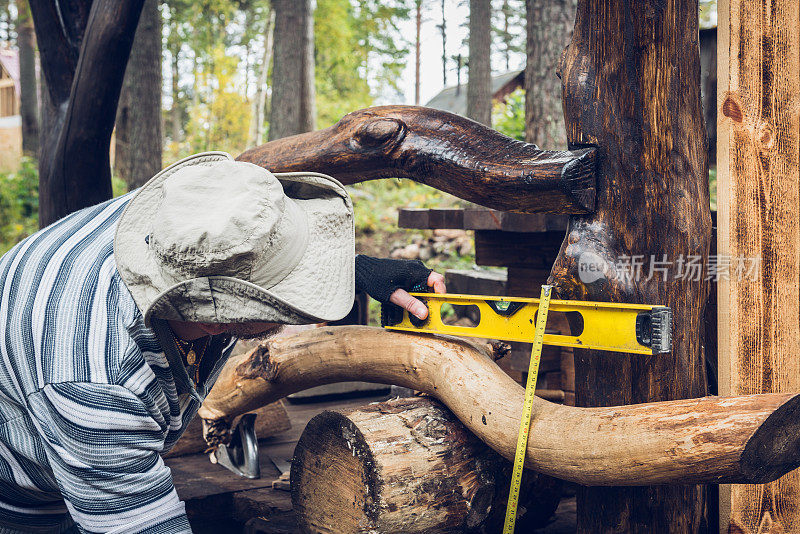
[379, 277]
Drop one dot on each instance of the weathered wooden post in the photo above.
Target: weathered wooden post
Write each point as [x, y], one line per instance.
[759, 230]
[631, 86]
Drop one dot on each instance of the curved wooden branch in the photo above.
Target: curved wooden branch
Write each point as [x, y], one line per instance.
[443, 150]
[747, 439]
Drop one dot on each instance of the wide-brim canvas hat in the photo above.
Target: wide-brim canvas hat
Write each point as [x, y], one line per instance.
[214, 240]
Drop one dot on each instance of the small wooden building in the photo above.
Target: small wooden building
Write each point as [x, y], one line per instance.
[454, 98]
[10, 119]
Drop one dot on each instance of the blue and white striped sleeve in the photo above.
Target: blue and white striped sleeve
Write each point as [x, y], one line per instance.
[103, 445]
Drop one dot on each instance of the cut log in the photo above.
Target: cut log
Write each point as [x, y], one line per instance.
[407, 465]
[752, 438]
[443, 150]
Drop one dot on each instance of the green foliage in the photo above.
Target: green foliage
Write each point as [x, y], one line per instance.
[7, 21]
[376, 202]
[340, 84]
[712, 186]
[19, 204]
[707, 11]
[210, 43]
[508, 30]
[118, 186]
[219, 115]
[381, 41]
[359, 53]
[216, 47]
[218, 121]
[509, 117]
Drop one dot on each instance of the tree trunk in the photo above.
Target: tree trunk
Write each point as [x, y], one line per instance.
[459, 66]
[78, 51]
[293, 94]
[549, 28]
[122, 130]
[631, 87]
[443, 29]
[407, 465]
[248, 22]
[708, 80]
[417, 52]
[443, 150]
[259, 102]
[479, 84]
[308, 91]
[713, 439]
[28, 99]
[175, 115]
[506, 36]
[137, 157]
[264, 101]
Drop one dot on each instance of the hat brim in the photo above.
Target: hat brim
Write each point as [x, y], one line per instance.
[320, 288]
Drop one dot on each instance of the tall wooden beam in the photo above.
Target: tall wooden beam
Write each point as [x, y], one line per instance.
[759, 221]
[631, 79]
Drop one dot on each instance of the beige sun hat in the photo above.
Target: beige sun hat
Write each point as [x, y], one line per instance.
[214, 240]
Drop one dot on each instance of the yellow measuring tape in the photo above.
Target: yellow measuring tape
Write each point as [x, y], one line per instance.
[527, 411]
[608, 326]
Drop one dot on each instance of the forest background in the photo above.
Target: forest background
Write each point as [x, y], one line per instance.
[201, 76]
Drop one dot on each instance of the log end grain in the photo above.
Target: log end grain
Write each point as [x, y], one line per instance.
[774, 448]
[335, 483]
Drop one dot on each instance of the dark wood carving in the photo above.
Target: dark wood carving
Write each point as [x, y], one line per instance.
[84, 48]
[631, 86]
[443, 150]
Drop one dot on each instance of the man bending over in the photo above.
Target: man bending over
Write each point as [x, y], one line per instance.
[116, 321]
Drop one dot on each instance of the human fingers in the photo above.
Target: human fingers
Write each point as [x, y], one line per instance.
[409, 303]
[436, 281]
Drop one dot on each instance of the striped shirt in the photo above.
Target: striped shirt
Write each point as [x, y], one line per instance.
[89, 397]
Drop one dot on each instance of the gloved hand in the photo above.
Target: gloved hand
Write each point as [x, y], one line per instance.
[388, 281]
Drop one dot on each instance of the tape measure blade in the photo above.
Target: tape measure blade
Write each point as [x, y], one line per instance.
[527, 411]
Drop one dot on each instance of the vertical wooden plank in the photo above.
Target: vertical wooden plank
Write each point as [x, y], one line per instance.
[759, 217]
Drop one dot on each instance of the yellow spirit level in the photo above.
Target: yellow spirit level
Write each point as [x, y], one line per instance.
[634, 328]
